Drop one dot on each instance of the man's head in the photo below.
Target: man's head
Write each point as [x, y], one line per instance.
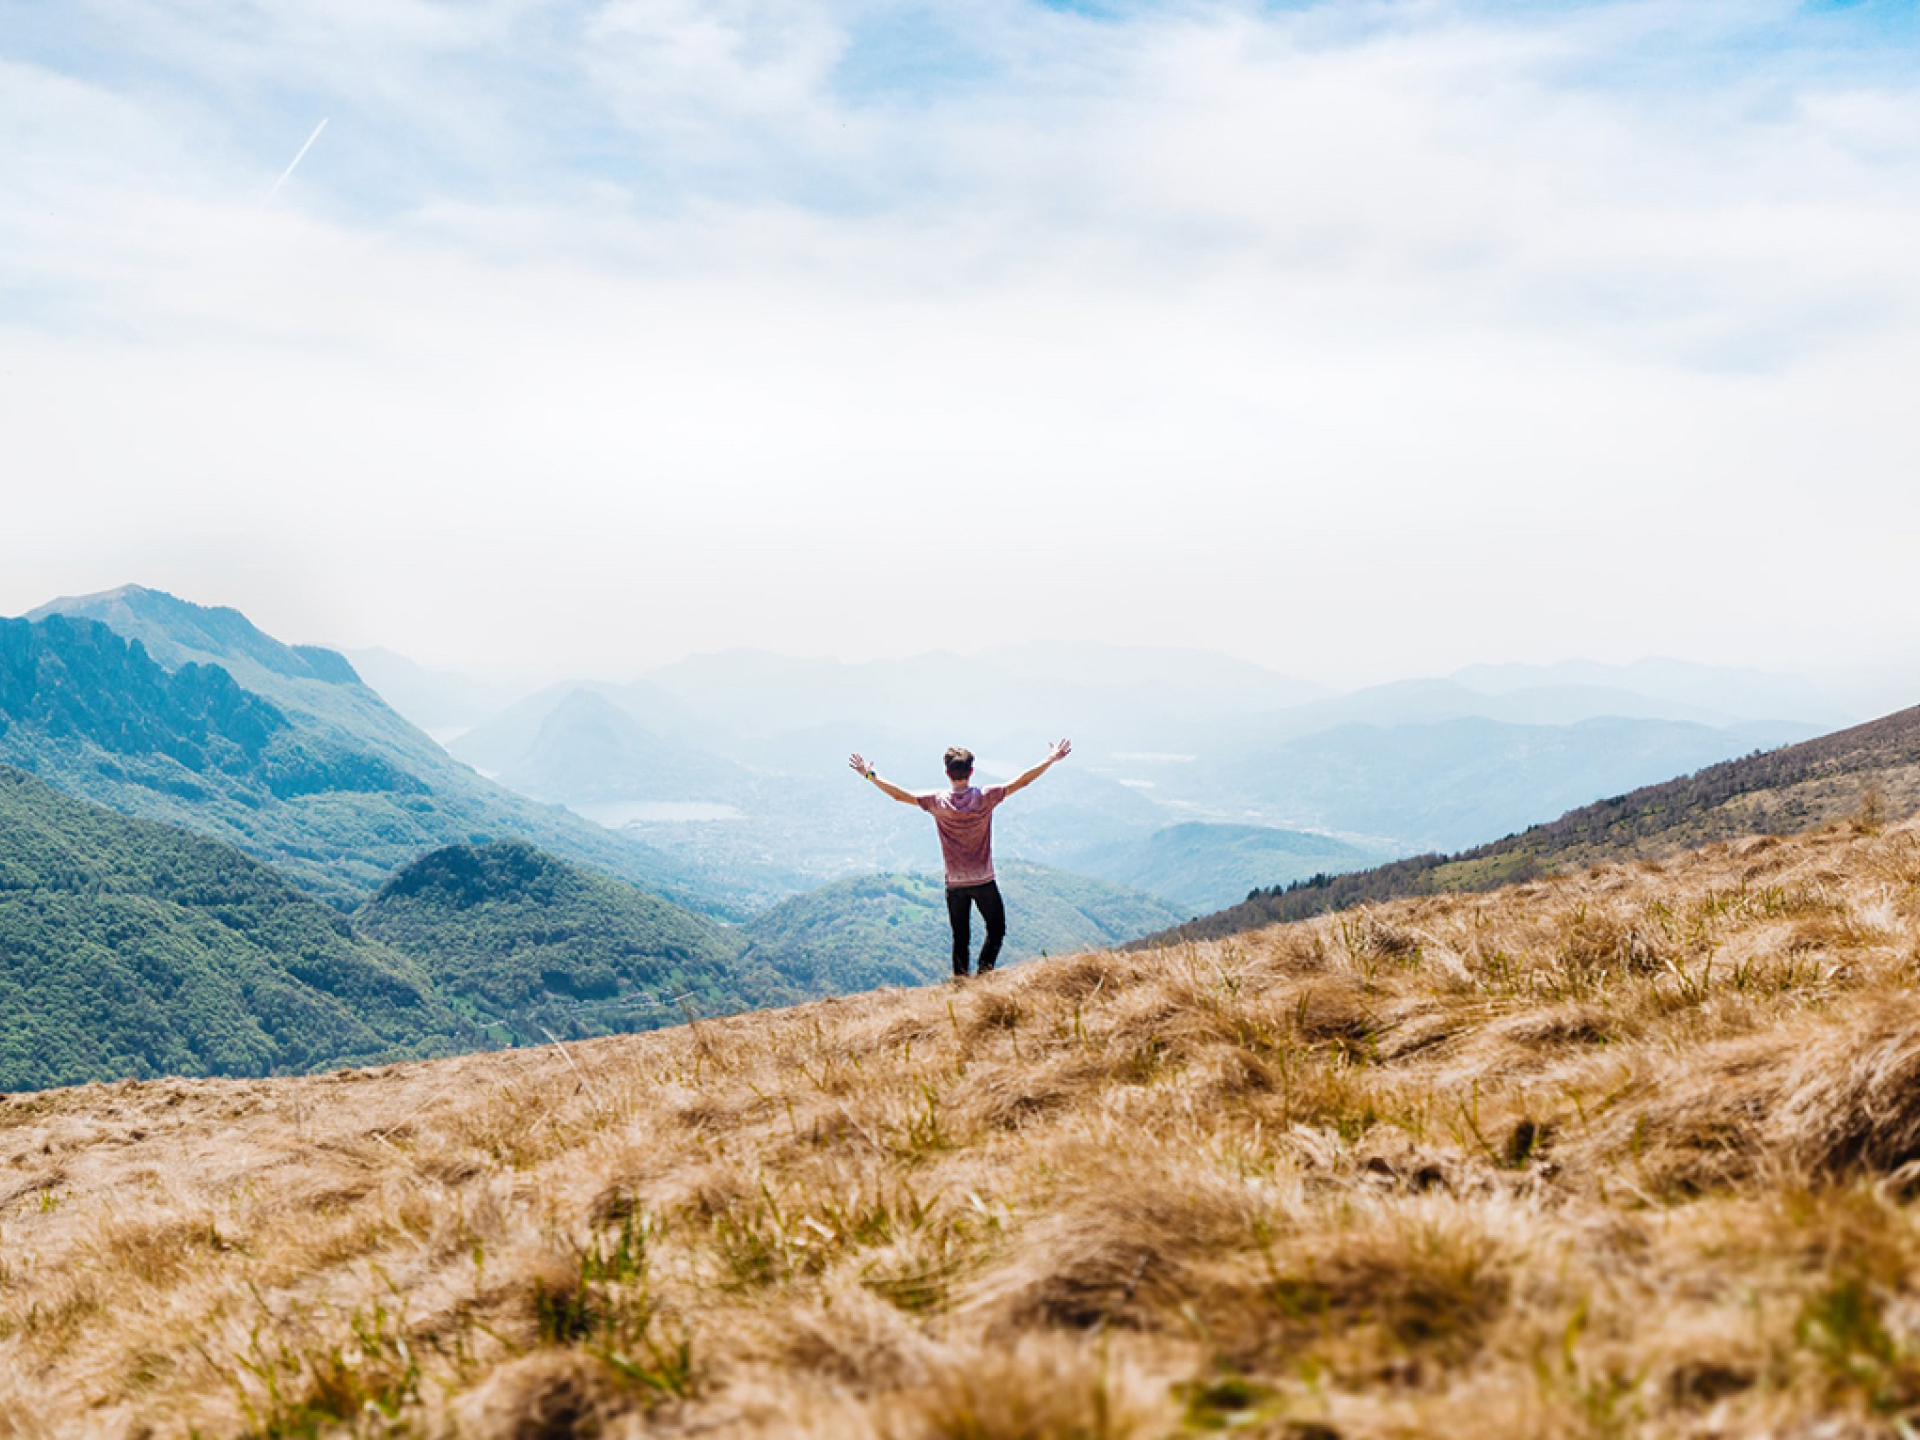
[959, 763]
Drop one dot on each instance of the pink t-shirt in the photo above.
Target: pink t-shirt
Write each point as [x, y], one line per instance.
[965, 821]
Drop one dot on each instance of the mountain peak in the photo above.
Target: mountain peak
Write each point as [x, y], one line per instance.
[178, 632]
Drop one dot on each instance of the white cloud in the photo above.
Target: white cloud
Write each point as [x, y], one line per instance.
[1364, 338]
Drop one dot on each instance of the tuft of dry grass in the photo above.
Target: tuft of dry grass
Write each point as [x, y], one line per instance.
[1628, 1153]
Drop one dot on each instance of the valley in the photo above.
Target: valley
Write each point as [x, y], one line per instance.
[736, 758]
[740, 870]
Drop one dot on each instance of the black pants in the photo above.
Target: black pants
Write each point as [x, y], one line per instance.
[960, 902]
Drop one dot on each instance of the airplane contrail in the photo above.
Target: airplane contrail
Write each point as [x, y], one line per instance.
[296, 162]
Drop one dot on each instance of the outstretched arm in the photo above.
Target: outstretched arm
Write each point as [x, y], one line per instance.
[905, 797]
[1058, 752]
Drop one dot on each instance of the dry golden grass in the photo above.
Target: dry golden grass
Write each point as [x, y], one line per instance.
[1628, 1153]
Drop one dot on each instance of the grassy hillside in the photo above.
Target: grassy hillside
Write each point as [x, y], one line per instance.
[531, 948]
[191, 715]
[1623, 1153]
[1871, 770]
[129, 948]
[892, 929]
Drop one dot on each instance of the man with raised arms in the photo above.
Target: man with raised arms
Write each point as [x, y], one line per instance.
[964, 817]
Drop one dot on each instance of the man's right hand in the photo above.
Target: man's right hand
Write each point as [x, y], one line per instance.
[860, 767]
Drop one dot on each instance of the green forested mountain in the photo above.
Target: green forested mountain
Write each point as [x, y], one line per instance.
[134, 949]
[177, 632]
[171, 711]
[76, 696]
[892, 929]
[532, 947]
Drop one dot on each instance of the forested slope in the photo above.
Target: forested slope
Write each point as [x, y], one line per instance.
[135, 949]
[532, 948]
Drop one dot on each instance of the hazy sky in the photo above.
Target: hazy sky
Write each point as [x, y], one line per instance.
[1357, 339]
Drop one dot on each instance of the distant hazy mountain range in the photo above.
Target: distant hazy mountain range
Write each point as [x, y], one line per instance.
[1711, 694]
[1868, 772]
[720, 780]
[1198, 868]
[1454, 782]
[440, 702]
[738, 759]
[588, 746]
